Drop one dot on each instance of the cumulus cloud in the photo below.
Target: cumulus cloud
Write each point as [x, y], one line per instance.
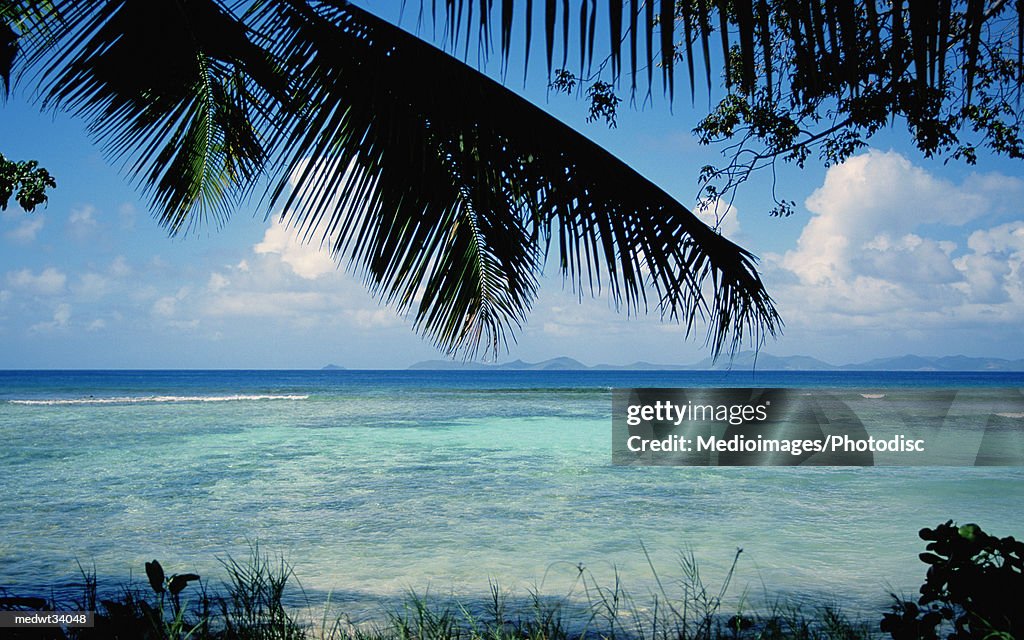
[61, 317]
[721, 216]
[281, 283]
[184, 325]
[270, 304]
[167, 306]
[50, 281]
[91, 286]
[120, 268]
[992, 271]
[127, 213]
[373, 318]
[83, 215]
[82, 222]
[870, 195]
[587, 317]
[307, 261]
[885, 248]
[217, 281]
[27, 231]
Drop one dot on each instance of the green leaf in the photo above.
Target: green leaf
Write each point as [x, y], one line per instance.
[155, 573]
[27, 182]
[179, 581]
[930, 558]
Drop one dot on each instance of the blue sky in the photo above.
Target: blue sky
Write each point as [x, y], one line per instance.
[889, 253]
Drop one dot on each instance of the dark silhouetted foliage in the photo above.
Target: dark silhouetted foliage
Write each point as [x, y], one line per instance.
[27, 182]
[448, 197]
[974, 588]
[814, 81]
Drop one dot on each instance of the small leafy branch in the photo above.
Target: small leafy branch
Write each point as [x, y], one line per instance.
[172, 585]
[27, 182]
[175, 628]
[973, 588]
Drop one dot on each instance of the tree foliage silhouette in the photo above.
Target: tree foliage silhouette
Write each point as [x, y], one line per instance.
[446, 191]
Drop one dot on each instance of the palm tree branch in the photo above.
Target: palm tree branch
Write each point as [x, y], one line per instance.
[152, 80]
[836, 31]
[442, 187]
[425, 130]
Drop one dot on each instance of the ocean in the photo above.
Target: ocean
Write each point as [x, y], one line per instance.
[372, 484]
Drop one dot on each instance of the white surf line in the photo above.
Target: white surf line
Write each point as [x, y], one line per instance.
[156, 399]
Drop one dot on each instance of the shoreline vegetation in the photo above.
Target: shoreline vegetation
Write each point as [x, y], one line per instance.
[261, 598]
[971, 591]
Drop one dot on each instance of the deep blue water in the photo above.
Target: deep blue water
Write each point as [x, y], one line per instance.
[56, 382]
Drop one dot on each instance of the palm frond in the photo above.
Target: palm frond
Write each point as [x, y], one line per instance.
[8, 51]
[166, 88]
[444, 189]
[8, 42]
[18, 19]
[835, 35]
[447, 190]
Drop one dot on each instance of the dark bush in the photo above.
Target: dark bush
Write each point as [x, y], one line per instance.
[974, 588]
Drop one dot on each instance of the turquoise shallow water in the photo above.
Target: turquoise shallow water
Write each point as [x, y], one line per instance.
[373, 483]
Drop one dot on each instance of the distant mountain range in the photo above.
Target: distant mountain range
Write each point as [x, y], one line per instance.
[745, 360]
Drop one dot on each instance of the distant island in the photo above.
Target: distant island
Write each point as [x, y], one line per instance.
[743, 360]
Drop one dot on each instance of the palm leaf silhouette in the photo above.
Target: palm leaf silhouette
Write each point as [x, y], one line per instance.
[829, 39]
[444, 189]
[166, 88]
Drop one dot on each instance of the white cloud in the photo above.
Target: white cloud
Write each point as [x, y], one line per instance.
[721, 216]
[373, 318]
[61, 317]
[885, 187]
[27, 231]
[217, 282]
[82, 222]
[99, 324]
[184, 325]
[587, 318]
[884, 250]
[560, 330]
[286, 304]
[307, 261]
[83, 216]
[283, 283]
[912, 257]
[872, 194]
[120, 268]
[167, 306]
[50, 281]
[993, 270]
[62, 314]
[127, 212]
[91, 286]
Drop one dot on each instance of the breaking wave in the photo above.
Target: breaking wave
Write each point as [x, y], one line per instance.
[157, 399]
